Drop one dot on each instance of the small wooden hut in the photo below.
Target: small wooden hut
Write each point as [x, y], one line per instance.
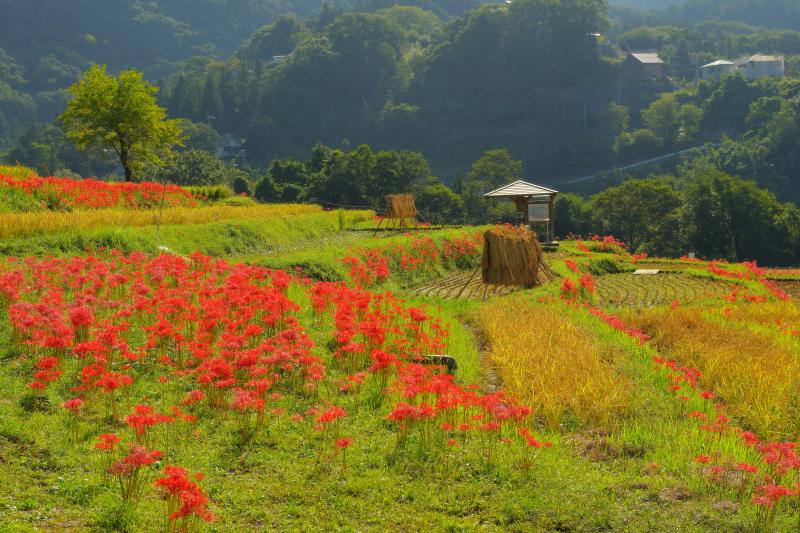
[534, 204]
[400, 208]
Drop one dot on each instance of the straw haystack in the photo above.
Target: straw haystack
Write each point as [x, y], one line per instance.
[400, 207]
[512, 257]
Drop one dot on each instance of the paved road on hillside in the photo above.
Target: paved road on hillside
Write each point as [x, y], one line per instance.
[640, 163]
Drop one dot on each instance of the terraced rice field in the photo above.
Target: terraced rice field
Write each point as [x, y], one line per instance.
[450, 288]
[790, 287]
[646, 291]
[784, 273]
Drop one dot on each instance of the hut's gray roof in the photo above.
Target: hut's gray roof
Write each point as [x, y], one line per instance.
[520, 188]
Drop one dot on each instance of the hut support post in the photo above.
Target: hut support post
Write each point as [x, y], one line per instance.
[522, 210]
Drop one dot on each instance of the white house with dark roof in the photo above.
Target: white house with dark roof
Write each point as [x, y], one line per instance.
[761, 66]
[717, 69]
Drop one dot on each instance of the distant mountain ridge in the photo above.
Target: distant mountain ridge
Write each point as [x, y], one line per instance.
[778, 14]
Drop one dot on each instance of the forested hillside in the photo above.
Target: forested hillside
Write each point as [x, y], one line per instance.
[526, 75]
[775, 14]
[46, 44]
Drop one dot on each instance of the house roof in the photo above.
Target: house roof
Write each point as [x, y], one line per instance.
[758, 58]
[650, 58]
[520, 188]
[718, 63]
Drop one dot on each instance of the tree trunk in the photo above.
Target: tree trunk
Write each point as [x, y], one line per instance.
[126, 164]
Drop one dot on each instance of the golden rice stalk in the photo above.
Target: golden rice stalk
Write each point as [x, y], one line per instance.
[755, 371]
[555, 366]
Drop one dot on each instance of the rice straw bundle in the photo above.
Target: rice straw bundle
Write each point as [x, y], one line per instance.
[400, 206]
[512, 257]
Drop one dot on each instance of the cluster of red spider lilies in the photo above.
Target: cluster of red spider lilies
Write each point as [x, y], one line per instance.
[92, 193]
[412, 257]
[229, 342]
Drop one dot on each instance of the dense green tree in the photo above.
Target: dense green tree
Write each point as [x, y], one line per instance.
[266, 190]
[276, 39]
[289, 171]
[199, 136]
[240, 186]
[495, 168]
[45, 148]
[615, 119]
[727, 106]
[672, 123]
[572, 215]
[733, 219]
[635, 210]
[121, 114]
[437, 202]
[193, 167]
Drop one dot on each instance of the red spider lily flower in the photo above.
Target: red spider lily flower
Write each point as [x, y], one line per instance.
[332, 413]
[750, 438]
[108, 441]
[343, 443]
[193, 397]
[532, 441]
[572, 266]
[744, 467]
[703, 459]
[770, 494]
[587, 282]
[74, 405]
[111, 381]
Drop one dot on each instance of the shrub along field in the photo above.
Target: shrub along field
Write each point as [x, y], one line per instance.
[263, 372]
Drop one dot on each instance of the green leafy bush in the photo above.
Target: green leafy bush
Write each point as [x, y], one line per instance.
[211, 192]
[606, 265]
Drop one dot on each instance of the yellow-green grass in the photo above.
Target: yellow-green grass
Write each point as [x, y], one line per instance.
[16, 171]
[251, 239]
[47, 222]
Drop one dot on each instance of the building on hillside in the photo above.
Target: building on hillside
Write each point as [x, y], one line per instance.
[643, 66]
[277, 60]
[230, 147]
[761, 66]
[717, 69]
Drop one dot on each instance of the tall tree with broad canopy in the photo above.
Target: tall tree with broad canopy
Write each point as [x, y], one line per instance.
[635, 210]
[120, 114]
